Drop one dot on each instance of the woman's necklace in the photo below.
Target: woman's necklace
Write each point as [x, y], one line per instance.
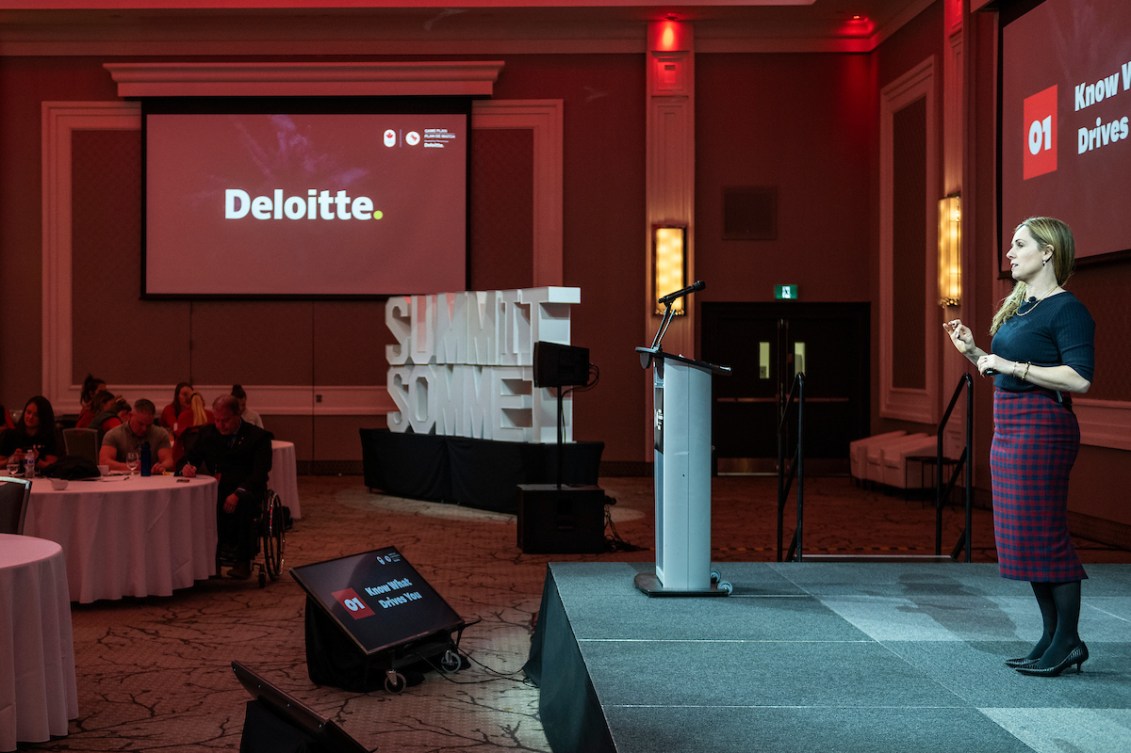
[1037, 302]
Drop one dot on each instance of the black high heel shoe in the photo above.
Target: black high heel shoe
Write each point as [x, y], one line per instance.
[1076, 656]
[1033, 657]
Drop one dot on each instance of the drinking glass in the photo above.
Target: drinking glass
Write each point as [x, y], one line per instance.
[13, 466]
[131, 462]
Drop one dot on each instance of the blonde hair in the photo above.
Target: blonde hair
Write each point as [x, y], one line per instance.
[1046, 231]
[199, 414]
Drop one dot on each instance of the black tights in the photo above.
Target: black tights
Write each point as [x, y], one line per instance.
[1060, 615]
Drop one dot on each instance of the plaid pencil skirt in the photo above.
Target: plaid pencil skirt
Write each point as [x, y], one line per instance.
[1035, 444]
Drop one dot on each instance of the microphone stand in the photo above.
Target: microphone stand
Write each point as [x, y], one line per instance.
[669, 314]
[561, 440]
[666, 321]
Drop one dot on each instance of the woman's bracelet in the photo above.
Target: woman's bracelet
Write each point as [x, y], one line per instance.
[1024, 374]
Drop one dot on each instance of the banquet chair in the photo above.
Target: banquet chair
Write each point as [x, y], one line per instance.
[14, 496]
[81, 442]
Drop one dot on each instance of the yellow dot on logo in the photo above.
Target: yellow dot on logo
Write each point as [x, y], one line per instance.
[378, 214]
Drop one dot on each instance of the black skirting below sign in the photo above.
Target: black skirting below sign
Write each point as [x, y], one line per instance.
[478, 473]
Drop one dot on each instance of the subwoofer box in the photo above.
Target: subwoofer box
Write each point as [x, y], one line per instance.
[553, 520]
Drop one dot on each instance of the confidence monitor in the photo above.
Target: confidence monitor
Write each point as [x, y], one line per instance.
[557, 365]
[279, 723]
[368, 614]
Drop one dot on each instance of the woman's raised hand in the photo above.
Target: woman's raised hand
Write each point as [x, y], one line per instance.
[960, 335]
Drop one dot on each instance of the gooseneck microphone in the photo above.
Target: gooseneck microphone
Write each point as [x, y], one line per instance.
[697, 285]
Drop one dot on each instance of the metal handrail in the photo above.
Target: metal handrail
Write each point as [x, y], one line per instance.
[943, 491]
[796, 467]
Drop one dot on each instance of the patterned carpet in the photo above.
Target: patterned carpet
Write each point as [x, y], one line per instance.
[154, 674]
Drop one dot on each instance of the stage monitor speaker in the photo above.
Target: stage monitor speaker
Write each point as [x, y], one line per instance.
[368, 613]
[558, 520]
[557, 365]
[276, 722]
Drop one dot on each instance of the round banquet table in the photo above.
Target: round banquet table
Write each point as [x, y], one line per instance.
[129, 535]
[283, 478]
[38, 692]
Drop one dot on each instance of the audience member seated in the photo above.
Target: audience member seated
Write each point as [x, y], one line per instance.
[181, 395]
[127, 438]
[238, 454]
[35, 429]
[106, 416]
[123, 409]
[247, 414]
[91, 386]
[189, 424]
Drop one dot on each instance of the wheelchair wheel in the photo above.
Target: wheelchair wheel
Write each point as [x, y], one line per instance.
[274, 540]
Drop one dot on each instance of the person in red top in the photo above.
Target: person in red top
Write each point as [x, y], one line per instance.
[91, 386]
[189, 423]
[181, 394]
[105, 413]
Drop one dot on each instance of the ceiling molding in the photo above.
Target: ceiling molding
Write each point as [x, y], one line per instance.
[186, 79]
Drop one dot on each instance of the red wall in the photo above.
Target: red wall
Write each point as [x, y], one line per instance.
[604, 236]
[24, 84]
[803, 124]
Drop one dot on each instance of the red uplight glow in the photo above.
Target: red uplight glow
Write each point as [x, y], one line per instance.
[857, 25]
[669, 35]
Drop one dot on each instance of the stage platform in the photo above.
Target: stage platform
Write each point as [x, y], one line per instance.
[826, 657]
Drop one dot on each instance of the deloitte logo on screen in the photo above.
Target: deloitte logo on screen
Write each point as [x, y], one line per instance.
[316, 205]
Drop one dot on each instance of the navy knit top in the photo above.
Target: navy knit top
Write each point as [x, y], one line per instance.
[1053, 331]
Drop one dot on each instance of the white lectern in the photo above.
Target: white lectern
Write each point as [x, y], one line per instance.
[682, 421]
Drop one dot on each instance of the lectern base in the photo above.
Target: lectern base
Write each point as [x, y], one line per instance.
[651, 585]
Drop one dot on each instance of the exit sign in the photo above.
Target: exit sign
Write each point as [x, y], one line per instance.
[785, 292]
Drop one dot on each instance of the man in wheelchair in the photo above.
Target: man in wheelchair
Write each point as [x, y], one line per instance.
[238, 454]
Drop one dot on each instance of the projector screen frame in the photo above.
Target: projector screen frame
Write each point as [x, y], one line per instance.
[459, 105]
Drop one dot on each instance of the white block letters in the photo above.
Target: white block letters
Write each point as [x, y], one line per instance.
[462, 363]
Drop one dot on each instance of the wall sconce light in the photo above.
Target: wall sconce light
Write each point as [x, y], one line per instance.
[669, 264]
[950, 250]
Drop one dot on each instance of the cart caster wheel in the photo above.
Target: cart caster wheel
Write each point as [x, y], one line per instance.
[716, 576]
[450, 662]
[726, 587]
[395, 681]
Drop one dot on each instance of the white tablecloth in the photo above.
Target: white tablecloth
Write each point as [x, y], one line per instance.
[135, 536]
[284, 475]
[38, 693]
